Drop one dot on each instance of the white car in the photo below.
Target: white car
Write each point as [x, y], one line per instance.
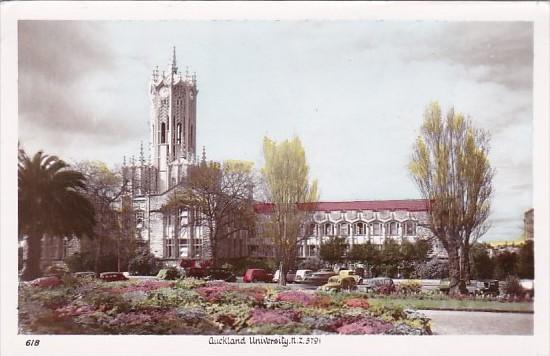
[289, 276]
[301, 275]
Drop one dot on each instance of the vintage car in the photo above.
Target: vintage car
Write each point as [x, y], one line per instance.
[215, 274]
[378, 285]
[351, 273]
[257, 275]
[338, 284]
[88, 274]
[290, 276]
[112, 276]
[301, 275]
[319, 278]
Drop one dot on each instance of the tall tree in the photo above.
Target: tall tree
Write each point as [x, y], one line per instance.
[366, 253]
[451, 168]
[50, 204]
[221, 197]
[481, 262]
[106, 191]
[526, 260]
[289, 190]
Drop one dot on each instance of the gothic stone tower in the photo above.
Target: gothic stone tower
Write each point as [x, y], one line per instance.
[173, 123]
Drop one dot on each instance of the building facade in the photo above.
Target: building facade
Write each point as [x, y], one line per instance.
[358, 222]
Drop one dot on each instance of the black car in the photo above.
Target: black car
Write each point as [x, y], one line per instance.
[220, 274]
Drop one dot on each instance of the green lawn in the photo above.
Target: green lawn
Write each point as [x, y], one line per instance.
[453, 304]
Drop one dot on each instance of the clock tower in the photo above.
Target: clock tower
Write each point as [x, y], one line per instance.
[173, 123]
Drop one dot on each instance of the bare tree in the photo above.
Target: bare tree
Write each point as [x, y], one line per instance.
[451, 168]
[220, 198]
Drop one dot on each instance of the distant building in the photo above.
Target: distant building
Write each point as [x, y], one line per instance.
[358, 222]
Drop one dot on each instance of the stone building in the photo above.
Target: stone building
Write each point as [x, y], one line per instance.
[173, 235]
[529, 224]
[357, 222]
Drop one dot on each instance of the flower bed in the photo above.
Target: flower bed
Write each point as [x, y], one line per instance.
[197, 307]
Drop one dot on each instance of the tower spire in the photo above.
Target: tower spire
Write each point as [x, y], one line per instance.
[173, 63]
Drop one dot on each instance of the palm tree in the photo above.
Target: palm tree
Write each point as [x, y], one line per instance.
[50, 203]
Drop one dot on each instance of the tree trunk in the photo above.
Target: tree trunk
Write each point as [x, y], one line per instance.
[32, 268]
[98, 255]
[465, 264]
[456, 283]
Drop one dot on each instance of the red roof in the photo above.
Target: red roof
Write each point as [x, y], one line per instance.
[375, 205]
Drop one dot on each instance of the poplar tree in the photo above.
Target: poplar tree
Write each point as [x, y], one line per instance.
[451, 168]
[289, 190]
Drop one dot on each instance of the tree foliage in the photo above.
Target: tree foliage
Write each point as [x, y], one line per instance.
[451, 168]
[333, 250]
[50, 203]
[288, 188]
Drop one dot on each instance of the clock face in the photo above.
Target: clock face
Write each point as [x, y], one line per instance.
[164, 92]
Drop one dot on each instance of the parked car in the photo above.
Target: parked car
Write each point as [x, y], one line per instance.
[339, 283]
[87, 274]
[484, 287]
[112, 276]
[349, 273]
[220, 274]
[378, 285]
[301, 275]
[290, 276]
[257, 275]
[319, 278]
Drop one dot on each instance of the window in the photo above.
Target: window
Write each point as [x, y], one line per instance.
[377, 228]
[169, 248]
[139, 216]
[344, 229]
[178, 134]
[392, 228]
[300, 251]
[163, 133]
[312, 230]
[311, 250]
[360, 229]
[410, 228]
[328, 229]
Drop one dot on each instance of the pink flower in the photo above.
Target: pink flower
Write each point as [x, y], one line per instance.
[366, 325]
[278, 317]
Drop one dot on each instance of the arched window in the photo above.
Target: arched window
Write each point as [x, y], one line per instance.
[376, 228]
[178, 138]
[312, 230]
[344, 229]
[328, 229]
[360, 228]
[163, 133]
[391, 228]
[410, 228]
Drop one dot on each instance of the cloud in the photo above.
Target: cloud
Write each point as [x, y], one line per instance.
[59, 63]
[497, 52]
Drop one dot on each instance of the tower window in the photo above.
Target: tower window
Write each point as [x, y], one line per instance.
[163, 133]
[179, 134]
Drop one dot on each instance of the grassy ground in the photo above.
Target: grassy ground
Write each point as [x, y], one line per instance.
[453, 304]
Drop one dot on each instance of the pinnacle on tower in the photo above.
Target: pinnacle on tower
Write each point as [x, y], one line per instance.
[203, 158]
[173, 64]
[141, 155]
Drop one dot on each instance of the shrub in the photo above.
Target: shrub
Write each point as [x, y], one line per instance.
[144, 264]
[387, 312]
[168, 273]
[170, 297]
[47, 282]
[357, 303]
[213, 292]
[296, 297]
[409, 287]
[56, 270]
[190, 283]
[512, 286]
[230, 315]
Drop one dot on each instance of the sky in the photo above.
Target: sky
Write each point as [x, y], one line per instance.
[354, 92]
